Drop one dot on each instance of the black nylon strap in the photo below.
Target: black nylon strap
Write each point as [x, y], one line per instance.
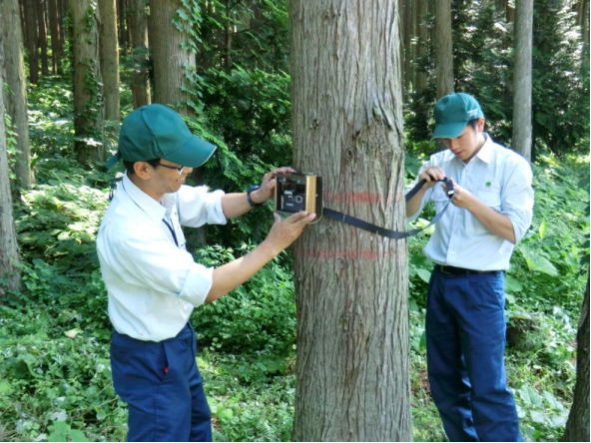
[389, 233]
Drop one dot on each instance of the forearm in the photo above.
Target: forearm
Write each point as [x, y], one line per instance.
[235, 204]
[494, 222]
[231, 275]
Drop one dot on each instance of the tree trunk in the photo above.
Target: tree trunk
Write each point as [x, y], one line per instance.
[577, 426]
[15, 94]
[443, 48]
[30, 21]
[407, 8]
[9, 257]
[42, 36]
[172, 60]
[109, 48]
[352, 354]
[55, 32]
[522, 80]
[422, 37]
[137, 21]
[88, 106]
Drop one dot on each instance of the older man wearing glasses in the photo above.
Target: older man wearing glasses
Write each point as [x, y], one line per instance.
[153, 282]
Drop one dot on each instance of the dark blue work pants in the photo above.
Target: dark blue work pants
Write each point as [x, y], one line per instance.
[162, 386]
[465, 356]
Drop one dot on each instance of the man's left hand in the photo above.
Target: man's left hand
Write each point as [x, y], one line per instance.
[265, 192]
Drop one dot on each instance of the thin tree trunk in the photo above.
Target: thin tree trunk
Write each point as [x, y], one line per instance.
[443, 48]
[88, 106]
[422, 37]
[109, 49]
[30, 10]
[42, 36]
[352, 380]
[137, 20]
[172, 60]
[522, 80]
[15, 93]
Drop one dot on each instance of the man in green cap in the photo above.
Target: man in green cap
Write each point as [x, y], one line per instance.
[152, 281]
[489, 212]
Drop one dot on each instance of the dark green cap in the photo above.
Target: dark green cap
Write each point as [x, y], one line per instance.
[453, 112]
[157, 131]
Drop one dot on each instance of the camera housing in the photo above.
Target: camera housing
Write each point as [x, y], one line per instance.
[298, 192]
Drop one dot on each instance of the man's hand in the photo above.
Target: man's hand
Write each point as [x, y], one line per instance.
[282, 234]
[286, 230]
[265, 191]
[432, 175]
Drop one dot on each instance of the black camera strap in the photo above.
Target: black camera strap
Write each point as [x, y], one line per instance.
[361, 224]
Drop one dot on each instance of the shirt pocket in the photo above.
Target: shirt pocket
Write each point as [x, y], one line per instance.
[490, 196]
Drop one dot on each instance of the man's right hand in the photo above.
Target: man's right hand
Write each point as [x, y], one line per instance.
[286, 230]
[432, 175]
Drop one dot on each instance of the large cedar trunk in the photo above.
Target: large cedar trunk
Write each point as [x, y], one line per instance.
[16, 95]
[352, 338]
[9, 258]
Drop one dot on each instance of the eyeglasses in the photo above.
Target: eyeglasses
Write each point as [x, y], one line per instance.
[178, 169]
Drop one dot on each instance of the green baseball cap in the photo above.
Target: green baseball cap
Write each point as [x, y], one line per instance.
[157, 131]
[453, 112]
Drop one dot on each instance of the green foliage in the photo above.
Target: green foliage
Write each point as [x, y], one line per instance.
[58, 223]
[55, 387]
[258, 317]
[248, 403]
[558, 240]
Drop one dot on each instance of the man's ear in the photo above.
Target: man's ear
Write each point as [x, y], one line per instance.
[143, 170]
[480, 124]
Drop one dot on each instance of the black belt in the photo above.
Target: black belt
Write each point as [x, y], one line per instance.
[361, 224]
[452, 270]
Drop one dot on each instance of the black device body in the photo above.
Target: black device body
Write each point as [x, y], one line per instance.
[298, 192]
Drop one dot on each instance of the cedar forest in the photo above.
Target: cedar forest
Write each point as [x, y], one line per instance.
[71, 70]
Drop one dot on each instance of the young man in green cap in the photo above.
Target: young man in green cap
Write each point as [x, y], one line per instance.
[152, 281]
[489, 213]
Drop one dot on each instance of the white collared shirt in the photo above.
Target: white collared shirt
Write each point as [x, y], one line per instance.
[498, 177]
[153, 283]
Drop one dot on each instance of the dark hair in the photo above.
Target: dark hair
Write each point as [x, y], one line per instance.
[474, 123]
[129, 165]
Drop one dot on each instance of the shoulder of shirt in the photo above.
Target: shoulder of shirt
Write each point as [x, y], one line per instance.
[506, 154]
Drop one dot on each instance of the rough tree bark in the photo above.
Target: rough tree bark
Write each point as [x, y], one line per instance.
[443, 48]
[88, 105]
[15, 89]
[9, 257]
[352, 358]
[172, 58]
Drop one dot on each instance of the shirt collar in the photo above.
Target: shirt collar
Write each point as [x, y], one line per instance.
[142, 200]
[486, 151]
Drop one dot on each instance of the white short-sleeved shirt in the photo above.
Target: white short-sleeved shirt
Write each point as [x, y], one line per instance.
[498, 177]
[153, 283]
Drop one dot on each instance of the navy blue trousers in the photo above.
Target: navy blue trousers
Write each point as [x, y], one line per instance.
[465, 356]
[161, 384]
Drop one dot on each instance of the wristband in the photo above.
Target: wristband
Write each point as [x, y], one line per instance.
[249, 198]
